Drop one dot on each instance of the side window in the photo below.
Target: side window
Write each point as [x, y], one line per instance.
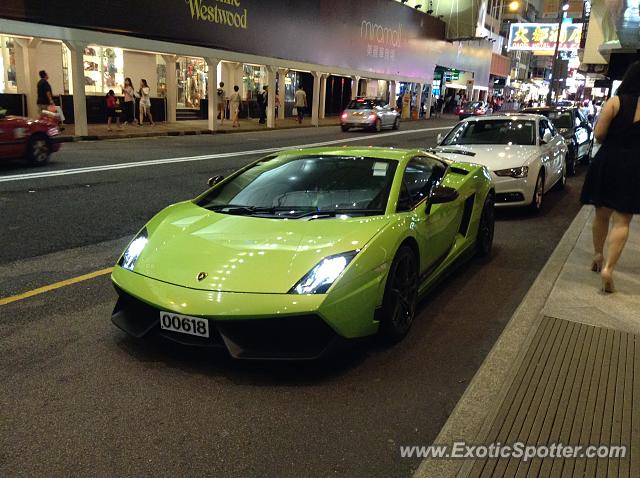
[419, 177]
[544, 128]
[579, 119]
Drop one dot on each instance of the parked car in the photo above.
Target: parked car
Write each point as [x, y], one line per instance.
[472, 108]
[303, 249]
[525, 154]
[370, 113]
[31, 139]
[576, 130]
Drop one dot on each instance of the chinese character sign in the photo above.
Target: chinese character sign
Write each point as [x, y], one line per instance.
[543, 36]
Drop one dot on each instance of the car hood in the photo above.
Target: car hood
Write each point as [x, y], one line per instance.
[241, 253]
[493, 156]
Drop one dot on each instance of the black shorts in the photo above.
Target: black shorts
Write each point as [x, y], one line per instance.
[111, 113]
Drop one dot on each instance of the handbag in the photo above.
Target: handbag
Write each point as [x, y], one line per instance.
[294, 111]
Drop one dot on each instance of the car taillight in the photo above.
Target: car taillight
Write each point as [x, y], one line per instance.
[344, 115]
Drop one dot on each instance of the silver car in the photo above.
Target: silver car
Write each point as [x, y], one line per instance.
[370, 113]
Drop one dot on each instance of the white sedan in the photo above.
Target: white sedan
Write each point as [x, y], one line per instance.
[524, 152]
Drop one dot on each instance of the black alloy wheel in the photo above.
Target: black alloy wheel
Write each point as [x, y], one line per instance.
[484, 239]
[38, 149]
[400, 296]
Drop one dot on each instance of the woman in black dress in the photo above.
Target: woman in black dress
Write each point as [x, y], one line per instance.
[612, 183]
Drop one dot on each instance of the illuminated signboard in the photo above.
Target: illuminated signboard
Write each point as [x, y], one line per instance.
[543, 36]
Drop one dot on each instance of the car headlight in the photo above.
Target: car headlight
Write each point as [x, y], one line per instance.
[323, 275]
[520, 172]
[133, 251]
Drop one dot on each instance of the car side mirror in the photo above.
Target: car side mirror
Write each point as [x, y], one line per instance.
[443, 194]
[215, 180]
[546, 139]
[439, 138]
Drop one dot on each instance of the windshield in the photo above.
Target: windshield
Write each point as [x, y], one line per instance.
[300, 186]
[473, 105]
[560, 119]
[361, 104]
[498, 131]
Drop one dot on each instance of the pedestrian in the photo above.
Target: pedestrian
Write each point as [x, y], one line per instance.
[611, 184]
[263, 102]
[221, 100]
[112, 109]
[300, 103]
[129, 107]
[234, 103]
[45, 98]
[145, 102]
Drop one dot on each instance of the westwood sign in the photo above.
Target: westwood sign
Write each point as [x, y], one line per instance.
[217, 14]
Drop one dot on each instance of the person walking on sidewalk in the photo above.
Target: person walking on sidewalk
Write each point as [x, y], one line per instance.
[234, 104]
[263, 102]
[129, 109]
[221, 100]
[112, 106]
[300, 103]
[612, 182]
[145, 102]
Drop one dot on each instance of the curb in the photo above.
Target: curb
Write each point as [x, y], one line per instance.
[195, 132]
[476, 410]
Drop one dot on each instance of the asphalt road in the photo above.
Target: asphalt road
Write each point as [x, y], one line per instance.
[79, 398]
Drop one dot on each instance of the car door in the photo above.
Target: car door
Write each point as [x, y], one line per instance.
[435, 229]
[383, 112]
[10, 146]
[550, 154]
[582, 134]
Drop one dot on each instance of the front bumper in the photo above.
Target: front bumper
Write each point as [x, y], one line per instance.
[357, 123]
[513, 192]
[248, 325]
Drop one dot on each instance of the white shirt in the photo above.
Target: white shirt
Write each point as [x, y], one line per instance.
[301, 98]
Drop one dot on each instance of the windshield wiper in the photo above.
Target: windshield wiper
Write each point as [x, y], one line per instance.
[241, 209]
[335, 212]
[455, 151]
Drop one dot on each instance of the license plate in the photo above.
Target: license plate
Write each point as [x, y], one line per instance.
[357, 113]
[184, 324]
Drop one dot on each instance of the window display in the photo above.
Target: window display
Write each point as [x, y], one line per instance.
[103, 69]
[8, 66]
[192, 81]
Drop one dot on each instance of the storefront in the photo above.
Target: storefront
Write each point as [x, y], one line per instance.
[248, 43]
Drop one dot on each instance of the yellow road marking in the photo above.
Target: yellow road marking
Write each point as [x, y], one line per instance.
[54, 286]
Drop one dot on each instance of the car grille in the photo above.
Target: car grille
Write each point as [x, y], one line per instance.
[290, 337]
[509, 197]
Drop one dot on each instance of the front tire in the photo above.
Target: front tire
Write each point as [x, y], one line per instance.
[484, 239]
[572, 160]
[344, 128]
[562, 182]
[400, 296]
[538, 193]
[38, 150]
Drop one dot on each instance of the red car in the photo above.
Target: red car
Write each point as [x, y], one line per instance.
[472, 108]
[27, 138]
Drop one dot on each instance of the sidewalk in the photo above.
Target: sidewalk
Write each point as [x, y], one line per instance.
[566, 369]
[188, 127]
[194, 127]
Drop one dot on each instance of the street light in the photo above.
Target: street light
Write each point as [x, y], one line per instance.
[514, 6]
[562, 8]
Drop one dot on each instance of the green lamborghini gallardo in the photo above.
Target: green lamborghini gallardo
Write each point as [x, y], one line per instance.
[302, 249]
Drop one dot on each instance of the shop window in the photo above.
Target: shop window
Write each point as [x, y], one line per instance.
[8, 82]
[103, 69]
[161, 72]
[192, 81]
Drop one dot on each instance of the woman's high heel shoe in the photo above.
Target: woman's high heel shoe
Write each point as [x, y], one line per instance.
[607, 283]
[596, 264]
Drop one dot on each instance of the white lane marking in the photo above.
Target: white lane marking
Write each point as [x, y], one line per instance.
[155, 162]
